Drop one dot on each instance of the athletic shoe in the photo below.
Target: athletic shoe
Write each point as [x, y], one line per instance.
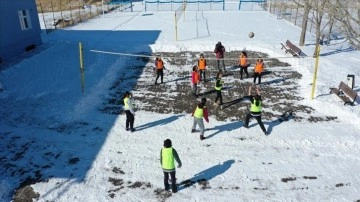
[266, 133]
[127, 129]
[246, 126]
[193, 130]
[132, 130]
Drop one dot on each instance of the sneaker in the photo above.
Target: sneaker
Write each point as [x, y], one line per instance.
[127, 129]
[167, 188]
[132, 130]
[174, 190]
[202, 137]
[246, 126]
[266, 133]
[193, 130]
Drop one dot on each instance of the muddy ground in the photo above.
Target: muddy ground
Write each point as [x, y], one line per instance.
[279, 88]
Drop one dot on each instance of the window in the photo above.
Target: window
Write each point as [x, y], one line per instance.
[25, 21]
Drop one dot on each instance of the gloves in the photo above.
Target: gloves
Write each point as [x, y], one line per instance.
[179, 166]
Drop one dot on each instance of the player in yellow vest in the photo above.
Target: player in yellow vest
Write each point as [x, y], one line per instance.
[199, 113]
[255, 110]
[129, 111]
[167, 157]
[218, 87]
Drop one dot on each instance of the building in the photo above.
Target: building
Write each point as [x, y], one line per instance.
[19, 28]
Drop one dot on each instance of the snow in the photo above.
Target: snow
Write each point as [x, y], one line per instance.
[49, 128]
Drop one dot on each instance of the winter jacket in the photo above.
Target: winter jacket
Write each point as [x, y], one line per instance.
[159, 64]
[259, 67]
[195, 77]
[201, 63]
[167, 157]
[129, 104]
[205, 113]
[219, 50]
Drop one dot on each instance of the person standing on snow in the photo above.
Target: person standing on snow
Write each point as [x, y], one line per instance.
[243, 64]
[259, 69]
[202, 67]
[195, 80]
[199, 113]
[167, 157]
[255, 110]
[159, 65]
[129, 111]
[218, 87]
[220, 52]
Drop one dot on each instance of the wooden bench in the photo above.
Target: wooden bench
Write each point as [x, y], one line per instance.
[344, 92]
[291, 48]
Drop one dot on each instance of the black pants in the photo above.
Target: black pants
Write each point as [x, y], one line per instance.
[202, 74]
[244, 69]
[159, 72]
[219, 96]
[129, 119]
[257, 75]
[258, 119]
[173, 180]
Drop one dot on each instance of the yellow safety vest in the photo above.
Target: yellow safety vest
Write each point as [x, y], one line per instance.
[255, 108]
[168, 162]
[126, 105]
[199, 113]
[218, 88]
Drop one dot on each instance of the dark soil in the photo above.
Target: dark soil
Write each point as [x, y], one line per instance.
[279, 88]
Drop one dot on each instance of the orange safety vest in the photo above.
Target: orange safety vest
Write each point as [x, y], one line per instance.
[196, 77]
[259, 67]
[159, 64]
[202, 63]
[243, 61]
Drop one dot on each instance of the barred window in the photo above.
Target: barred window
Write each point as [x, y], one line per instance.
[25, 21]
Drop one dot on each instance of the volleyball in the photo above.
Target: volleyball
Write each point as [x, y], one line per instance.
[251, 34]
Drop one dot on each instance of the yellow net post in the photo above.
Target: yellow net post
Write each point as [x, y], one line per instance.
[315, 72]
[82, 67]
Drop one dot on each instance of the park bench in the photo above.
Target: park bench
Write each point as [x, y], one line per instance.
[344, 92]
[291, 48]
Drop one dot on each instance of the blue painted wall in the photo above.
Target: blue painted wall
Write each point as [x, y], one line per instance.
[13, 39]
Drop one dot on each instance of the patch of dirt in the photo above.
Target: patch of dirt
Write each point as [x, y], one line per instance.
[310, 177]
[279, 88]
[116, 181]
[138, 184]
[118, 170]
[204, 184]
[288, 179]
[73, 161]
[25, 193]
[161, 194]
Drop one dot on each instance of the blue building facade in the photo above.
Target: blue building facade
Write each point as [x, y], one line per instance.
[19, 28]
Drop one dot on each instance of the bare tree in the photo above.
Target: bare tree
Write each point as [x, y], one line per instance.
[347, 13]
[305, 19]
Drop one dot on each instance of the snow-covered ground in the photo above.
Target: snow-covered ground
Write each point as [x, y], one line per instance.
[55, 139]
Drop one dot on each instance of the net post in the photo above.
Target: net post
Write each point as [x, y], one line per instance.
[315, 71]
[81, 67]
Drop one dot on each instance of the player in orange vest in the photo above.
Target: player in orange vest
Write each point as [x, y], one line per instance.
[202, 67]
[243, 64]
[259, 68]
[159, 65]
[195, 79]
